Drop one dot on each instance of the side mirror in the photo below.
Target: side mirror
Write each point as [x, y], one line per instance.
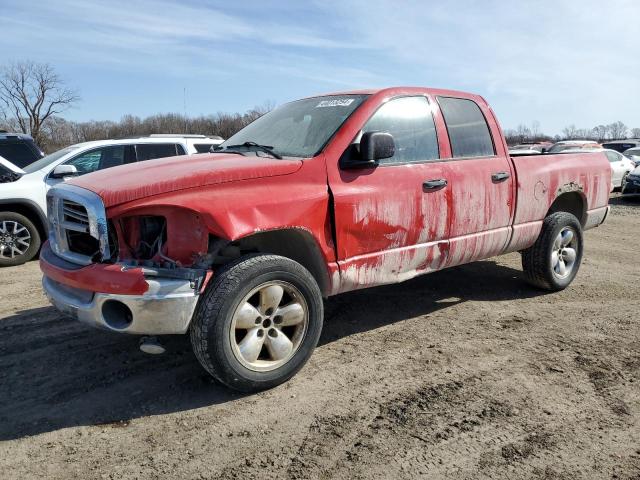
[376, 146]
[64, 171]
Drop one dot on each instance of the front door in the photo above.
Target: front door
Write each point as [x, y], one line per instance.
[392, 220]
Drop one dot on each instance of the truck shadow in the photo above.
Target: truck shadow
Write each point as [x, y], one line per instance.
[56, 373]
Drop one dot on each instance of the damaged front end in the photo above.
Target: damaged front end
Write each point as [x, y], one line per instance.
[141, 272]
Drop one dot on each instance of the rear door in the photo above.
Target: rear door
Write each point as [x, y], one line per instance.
[391, 220]
[481, 180]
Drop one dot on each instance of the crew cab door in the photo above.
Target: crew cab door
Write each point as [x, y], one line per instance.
[391, 220]
[481, 181]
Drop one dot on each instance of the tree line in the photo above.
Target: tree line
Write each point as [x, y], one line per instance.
[57, 132]
[600, 133]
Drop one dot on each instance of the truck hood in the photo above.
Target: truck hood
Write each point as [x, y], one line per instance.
[154, 177]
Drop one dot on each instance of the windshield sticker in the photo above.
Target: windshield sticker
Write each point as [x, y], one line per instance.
[335, 103]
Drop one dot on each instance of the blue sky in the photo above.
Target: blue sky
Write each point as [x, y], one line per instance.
[557, 62]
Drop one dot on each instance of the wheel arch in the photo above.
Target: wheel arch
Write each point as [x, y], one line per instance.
[296, 244]
[30, 210]
[573, 202]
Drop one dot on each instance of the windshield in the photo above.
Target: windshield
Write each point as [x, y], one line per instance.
[44, 161]
[301, 128]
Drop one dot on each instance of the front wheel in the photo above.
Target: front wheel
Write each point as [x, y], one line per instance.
[258, 322]
[553, 261]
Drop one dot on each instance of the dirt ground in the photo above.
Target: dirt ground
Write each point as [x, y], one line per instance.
[466, 373]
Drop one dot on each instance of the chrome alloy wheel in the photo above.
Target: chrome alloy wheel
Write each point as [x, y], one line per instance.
[268, 326]
[564, 252]
[15, 239]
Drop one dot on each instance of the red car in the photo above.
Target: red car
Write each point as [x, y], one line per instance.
[320, 196]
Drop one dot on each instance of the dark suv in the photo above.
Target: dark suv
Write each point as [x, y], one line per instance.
[19, 149]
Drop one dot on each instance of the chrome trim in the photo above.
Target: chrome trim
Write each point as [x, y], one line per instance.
[166, 308]
[96, 218]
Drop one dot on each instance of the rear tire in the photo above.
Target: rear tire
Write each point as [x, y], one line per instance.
[19, 239]
[553, 261]
[258, 322]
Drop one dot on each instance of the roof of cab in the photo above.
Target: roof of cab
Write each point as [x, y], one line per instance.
[402, 89]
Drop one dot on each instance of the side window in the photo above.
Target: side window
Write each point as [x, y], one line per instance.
[612, 156]
[150, 151]
[410, 121]
[468, 130]
[99, 159]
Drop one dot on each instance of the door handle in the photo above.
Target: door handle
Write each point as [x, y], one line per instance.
[433, 185]
[499, 177]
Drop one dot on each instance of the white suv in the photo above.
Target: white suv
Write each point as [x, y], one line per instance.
[23, 209]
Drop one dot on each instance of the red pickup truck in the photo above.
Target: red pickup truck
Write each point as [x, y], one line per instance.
[320, 196]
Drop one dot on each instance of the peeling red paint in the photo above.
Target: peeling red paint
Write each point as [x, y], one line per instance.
[372, 225]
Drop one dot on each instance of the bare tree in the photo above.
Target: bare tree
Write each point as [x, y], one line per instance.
[535, 130]
[600, 132]
[569, 132]
[635, 132]
[32, 93]
[617, 130]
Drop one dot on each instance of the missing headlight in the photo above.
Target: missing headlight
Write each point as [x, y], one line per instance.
[153, 234]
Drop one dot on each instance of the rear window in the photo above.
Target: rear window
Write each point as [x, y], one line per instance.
[468, 130]
[150, 151]
[18, 153]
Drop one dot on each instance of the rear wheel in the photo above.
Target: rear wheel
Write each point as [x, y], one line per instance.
[553, 261]
[19, 239]
[258, 322]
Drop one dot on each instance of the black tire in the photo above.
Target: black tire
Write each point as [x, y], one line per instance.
[34, 239]
[212, 320]
[624, 180]
[537, 260]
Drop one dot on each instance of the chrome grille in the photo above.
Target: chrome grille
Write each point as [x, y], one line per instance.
[75, 216]
[78, 230]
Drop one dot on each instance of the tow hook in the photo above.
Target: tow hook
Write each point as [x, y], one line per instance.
[151, 345]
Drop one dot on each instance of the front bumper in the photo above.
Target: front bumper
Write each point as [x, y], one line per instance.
[165, 307]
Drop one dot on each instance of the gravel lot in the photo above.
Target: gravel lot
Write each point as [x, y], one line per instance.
[466, 373]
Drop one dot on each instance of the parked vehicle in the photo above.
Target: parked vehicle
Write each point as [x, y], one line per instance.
[526, 149]
[633, 154]
[23, 196]
[19, 149]
[631, 186]
[319, 196]
[572, 145]
[195, 143]
[622, 145]
[9, 172]
[620, 165]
